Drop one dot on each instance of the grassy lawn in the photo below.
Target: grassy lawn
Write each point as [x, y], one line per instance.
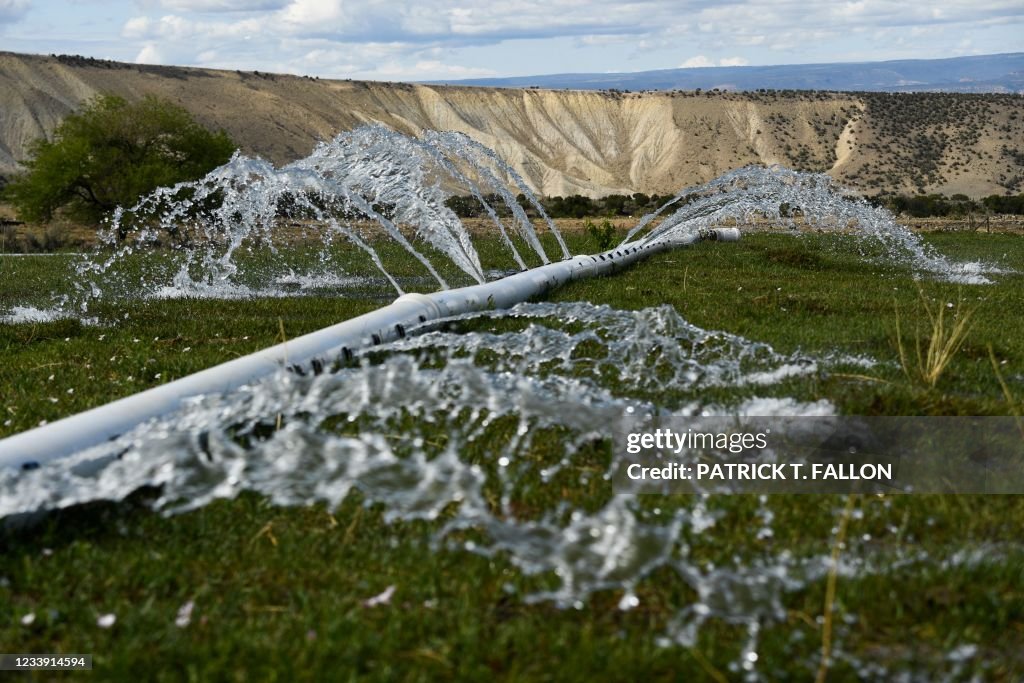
[931, 585]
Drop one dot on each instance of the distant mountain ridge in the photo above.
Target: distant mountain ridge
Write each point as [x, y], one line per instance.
[1000, 73]
[565, 142]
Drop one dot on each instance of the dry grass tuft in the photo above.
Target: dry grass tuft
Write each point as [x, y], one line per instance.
[948, 333]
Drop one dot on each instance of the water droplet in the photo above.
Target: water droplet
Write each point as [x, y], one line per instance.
[184, 616]
[629, 601]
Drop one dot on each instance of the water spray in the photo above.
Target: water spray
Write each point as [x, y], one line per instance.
[319, 350]
[299, 424]
[377, 167]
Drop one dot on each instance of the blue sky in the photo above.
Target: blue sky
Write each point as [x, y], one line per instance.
[437, 39]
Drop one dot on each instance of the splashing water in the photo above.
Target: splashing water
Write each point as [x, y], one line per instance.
[477, 154]
[555, 387]
[502, 396]
[473, 424]
[363, 183]
[602, 363]
[30, 314]
[249, 229]
[775, 195]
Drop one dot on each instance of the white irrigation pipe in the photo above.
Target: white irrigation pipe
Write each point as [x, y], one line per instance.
[31, 449]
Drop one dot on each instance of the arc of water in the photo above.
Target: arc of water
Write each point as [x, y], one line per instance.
[454, 144]
[375, 165]
[687, 215]
[392, 230]
[454, 230]
[162, 197]
[763, 191]
[376, 160]
[523, 187]
[645, 221]
[461, 178]
[255, 209]
[467, 150]
[353, 237]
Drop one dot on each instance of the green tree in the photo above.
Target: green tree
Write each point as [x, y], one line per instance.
[111, 153]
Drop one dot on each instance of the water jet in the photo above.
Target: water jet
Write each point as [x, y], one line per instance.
[38, 446]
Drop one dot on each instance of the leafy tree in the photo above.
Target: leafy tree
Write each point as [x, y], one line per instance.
[111, 153]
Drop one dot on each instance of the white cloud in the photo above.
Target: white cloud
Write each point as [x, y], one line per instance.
[696, 62]
[433, 68]
[149, 54]
[601, 40]
[750, 39]
[12, 10]
[136, 27]
[318, 14]
[406, 38]
[429, 20]
[177, 28]
[701, 61]
[223, 5]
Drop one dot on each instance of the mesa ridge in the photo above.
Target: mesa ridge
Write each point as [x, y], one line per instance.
[565, 142]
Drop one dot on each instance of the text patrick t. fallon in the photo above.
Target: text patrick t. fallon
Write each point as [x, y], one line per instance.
[815, 471]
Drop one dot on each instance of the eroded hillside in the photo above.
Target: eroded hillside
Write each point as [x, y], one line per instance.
[567, 142]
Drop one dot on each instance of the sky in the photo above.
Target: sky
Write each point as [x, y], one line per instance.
[436, 39]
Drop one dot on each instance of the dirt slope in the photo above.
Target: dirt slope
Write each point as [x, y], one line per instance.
[566, 142]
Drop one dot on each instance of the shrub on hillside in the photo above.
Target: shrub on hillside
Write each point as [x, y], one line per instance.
[111, 153]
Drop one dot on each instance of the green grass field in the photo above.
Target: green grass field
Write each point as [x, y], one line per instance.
[279, 593]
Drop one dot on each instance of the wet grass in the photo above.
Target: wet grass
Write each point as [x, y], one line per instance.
[279, 593]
